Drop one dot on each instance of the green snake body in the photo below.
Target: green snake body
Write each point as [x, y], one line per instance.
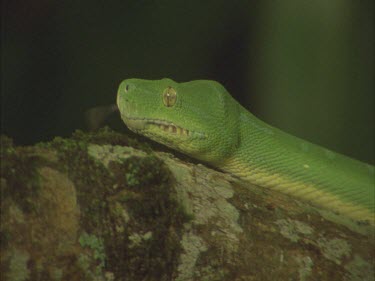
[201, 119]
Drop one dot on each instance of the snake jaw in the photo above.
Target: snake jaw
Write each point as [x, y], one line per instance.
[160, 127]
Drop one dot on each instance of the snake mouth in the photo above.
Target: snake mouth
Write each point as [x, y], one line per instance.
[145, 124]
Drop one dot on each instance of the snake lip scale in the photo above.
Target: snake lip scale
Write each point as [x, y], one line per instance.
[140, 124]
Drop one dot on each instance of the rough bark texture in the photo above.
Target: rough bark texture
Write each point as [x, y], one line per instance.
[106, 207]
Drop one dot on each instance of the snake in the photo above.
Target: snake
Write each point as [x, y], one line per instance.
[202, 120]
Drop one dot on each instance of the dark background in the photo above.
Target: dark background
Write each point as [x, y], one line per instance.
[306, 67]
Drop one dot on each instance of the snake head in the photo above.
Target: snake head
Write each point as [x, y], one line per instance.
[197, 118]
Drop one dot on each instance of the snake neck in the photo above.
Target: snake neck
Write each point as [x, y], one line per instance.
[271, 158]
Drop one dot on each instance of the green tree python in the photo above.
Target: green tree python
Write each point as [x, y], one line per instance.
[201, 119]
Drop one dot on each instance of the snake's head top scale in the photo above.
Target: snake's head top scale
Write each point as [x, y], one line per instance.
[177, 115]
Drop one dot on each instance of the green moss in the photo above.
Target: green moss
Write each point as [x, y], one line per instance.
[96, 245]
[56, 273]
[20, 180]
[131, 176]
[87, 264]
[360, 270]
[18, 270]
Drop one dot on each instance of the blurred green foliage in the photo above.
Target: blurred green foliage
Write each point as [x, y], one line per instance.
[306, 67]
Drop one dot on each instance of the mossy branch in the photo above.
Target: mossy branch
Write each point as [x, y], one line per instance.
[105, 206]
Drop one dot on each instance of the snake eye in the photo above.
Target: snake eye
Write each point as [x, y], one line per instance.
[169, 97]
[127, 88]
